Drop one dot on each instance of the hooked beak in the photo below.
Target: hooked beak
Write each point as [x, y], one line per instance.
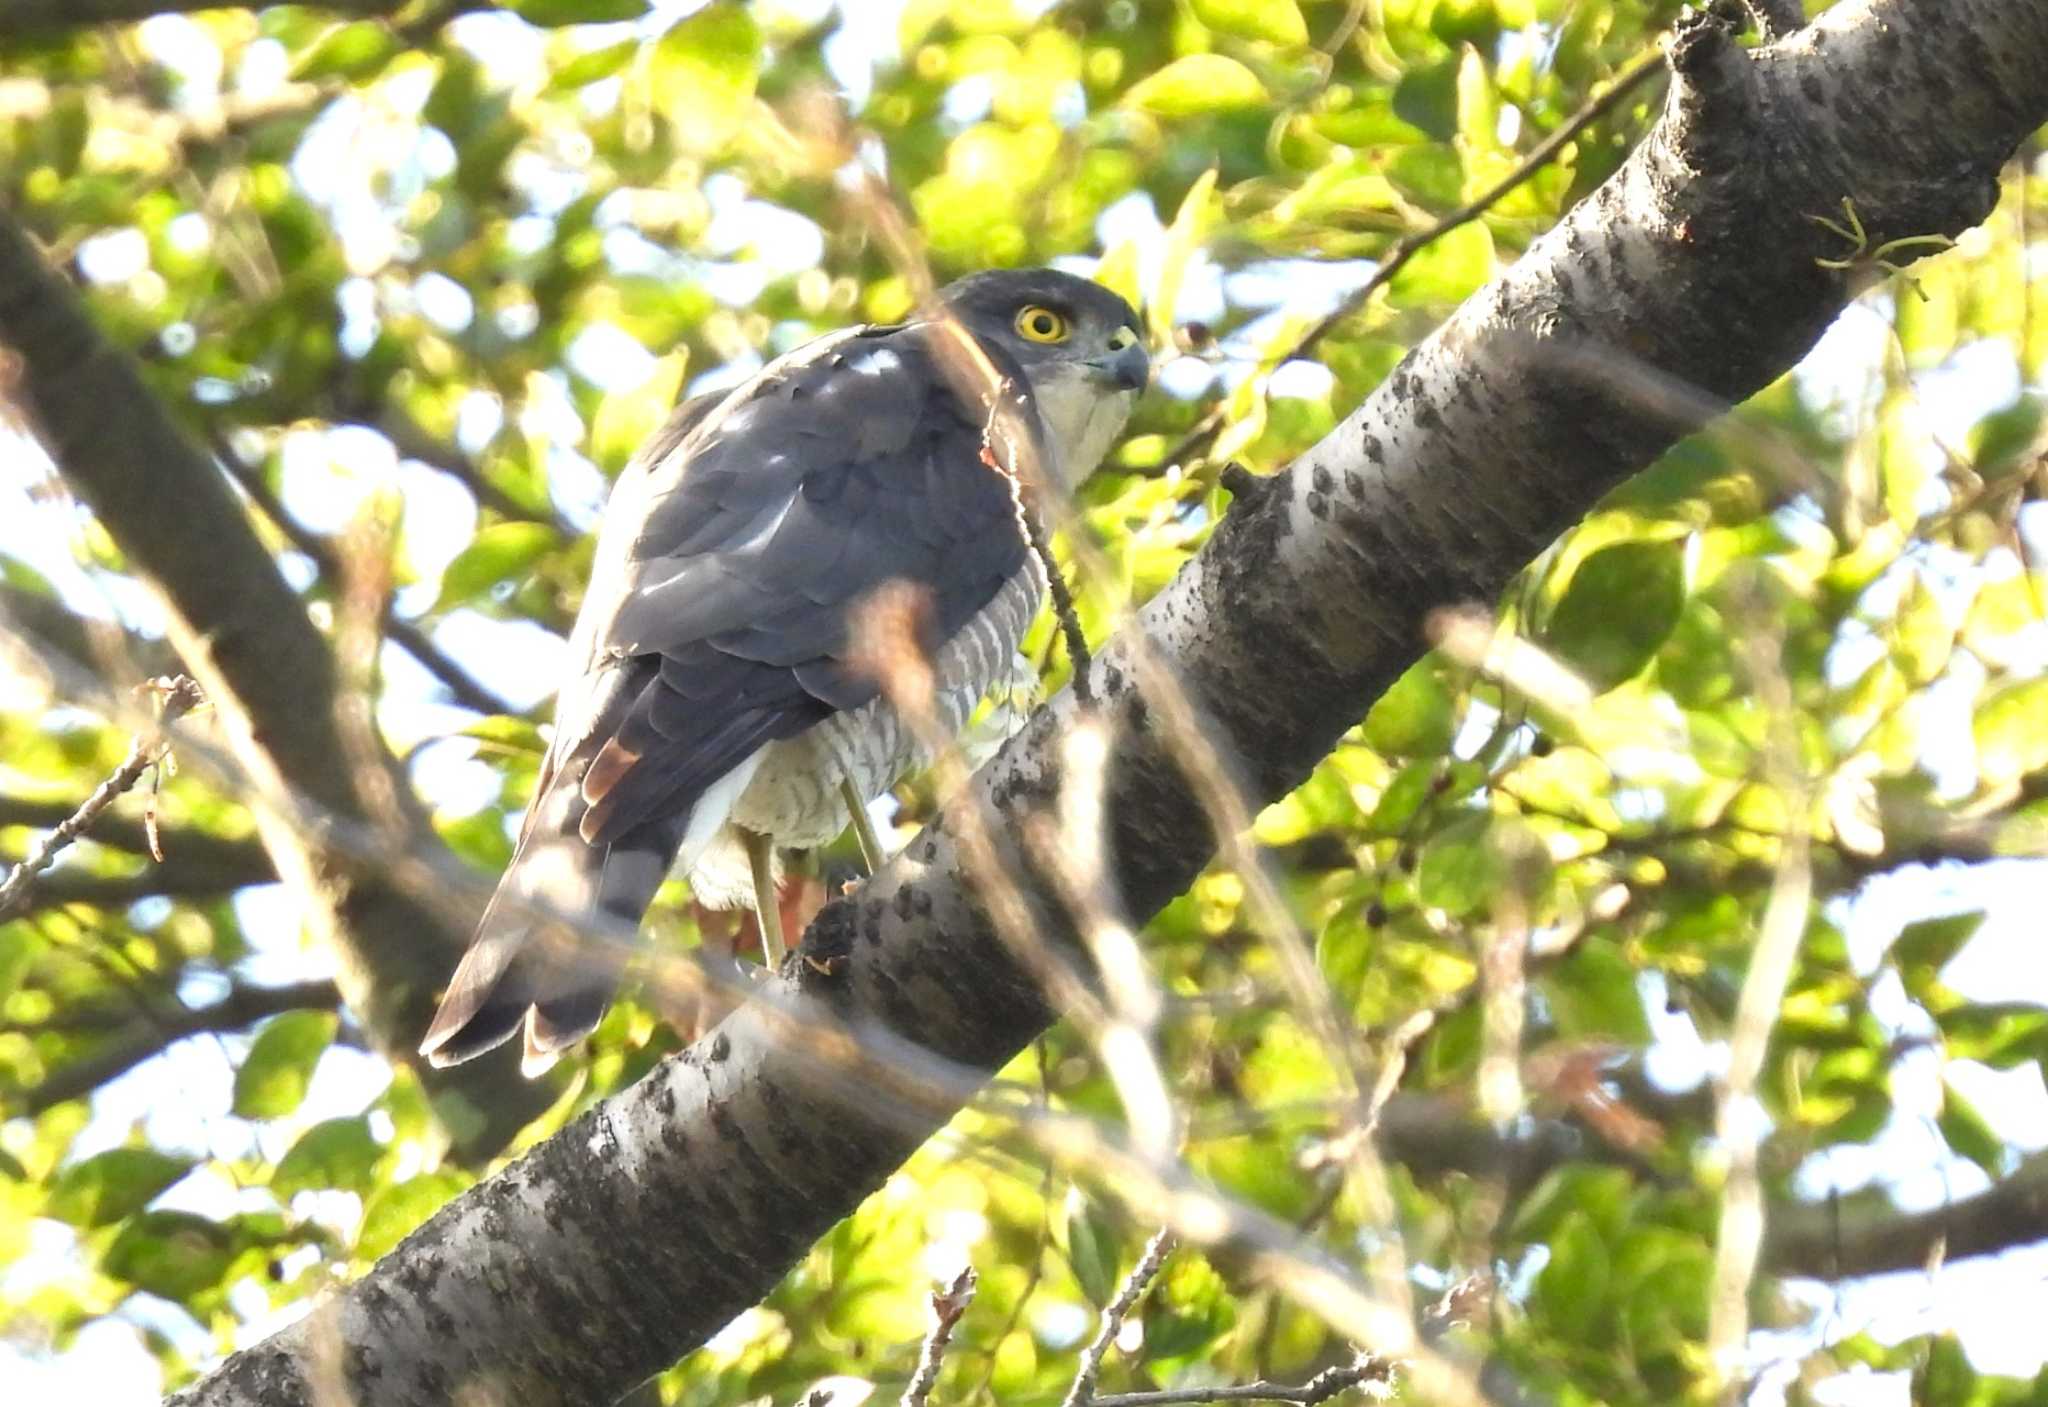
[1129, 369]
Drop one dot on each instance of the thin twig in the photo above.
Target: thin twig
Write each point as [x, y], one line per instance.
[1408, 246]
[179, 696]
[1367, 1371]
[947, 1307]
[1082, 1393]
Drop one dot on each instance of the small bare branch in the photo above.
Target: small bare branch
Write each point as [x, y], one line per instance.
[177, 696]
[948, 1305]
[1368, 1371]
[1082, 1393]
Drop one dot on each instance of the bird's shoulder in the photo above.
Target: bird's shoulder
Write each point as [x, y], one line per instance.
[856, 458]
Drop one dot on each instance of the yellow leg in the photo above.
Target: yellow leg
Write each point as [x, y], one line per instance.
[863, 828]
[767, 908]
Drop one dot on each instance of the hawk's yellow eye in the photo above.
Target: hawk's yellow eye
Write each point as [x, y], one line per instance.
[1037, 323]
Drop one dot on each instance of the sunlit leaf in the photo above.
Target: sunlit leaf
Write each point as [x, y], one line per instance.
[274, 1076]
[1447, 270]
[497, 554]
[559, 12]
[334, 1153]
[1275, 21]
[110, 1185]
[1620, 605]
[394, 1213]
[355, 51]
[1197, 84]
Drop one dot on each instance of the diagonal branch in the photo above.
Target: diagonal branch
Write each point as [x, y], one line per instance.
[179, 697]
[1868, 1236]
[140, 1040]
[246, 637]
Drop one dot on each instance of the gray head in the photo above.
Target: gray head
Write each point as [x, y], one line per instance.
[1078, 345]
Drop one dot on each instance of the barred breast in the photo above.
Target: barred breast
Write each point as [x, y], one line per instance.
[795, 793]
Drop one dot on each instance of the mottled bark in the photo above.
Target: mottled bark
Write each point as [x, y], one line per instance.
[271, 676]
[644, 1226]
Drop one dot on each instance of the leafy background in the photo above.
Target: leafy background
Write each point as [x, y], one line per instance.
[423, 278]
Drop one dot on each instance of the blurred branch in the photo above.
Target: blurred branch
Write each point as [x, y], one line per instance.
[1396, 255]
[374, 896]
[177, 697]
[158, 1031]
[1367, 1370]
[30, 17]
[176, 876]
[88, 648]
[1866, 1235]
[178, 843]
[414, 641]
[947, 1307]
[1113, 1315]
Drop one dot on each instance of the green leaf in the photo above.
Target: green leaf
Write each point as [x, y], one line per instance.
[110, 1185]
[1449, 269]
[1459, 872]
[1091, 1248]
[1593, 994]
[1415, 718]
[1621, 604]
[393, 1214]
[1274, 21]
[273, 1079]
[1968, 1133]
[1571, 1290]
[628, 417]
[703, 74]
[354, 51]
[172, 1254]
[1923, 948]
[1197, 84]
[1402, 798]
[552, 14]
[1183, 237]
[1427, 98]
[336, 1154]
[592, 65]
[497, 553]
[2011, 729]
[2000, 441]
[1921, 635]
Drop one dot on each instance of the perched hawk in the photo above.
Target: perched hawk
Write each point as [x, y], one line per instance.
[719, 707]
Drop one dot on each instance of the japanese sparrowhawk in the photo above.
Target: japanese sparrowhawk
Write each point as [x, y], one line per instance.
[720, 704]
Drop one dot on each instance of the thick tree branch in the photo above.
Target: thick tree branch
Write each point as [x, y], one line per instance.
[27, 17]
[271, 677]
[1868, 1236]
[140, 1039]
[645, 1225]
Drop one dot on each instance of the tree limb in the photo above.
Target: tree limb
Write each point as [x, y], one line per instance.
[1866, 1235]
[29, 17]
[271, 677]
[646, 1224]
[139, 1040]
